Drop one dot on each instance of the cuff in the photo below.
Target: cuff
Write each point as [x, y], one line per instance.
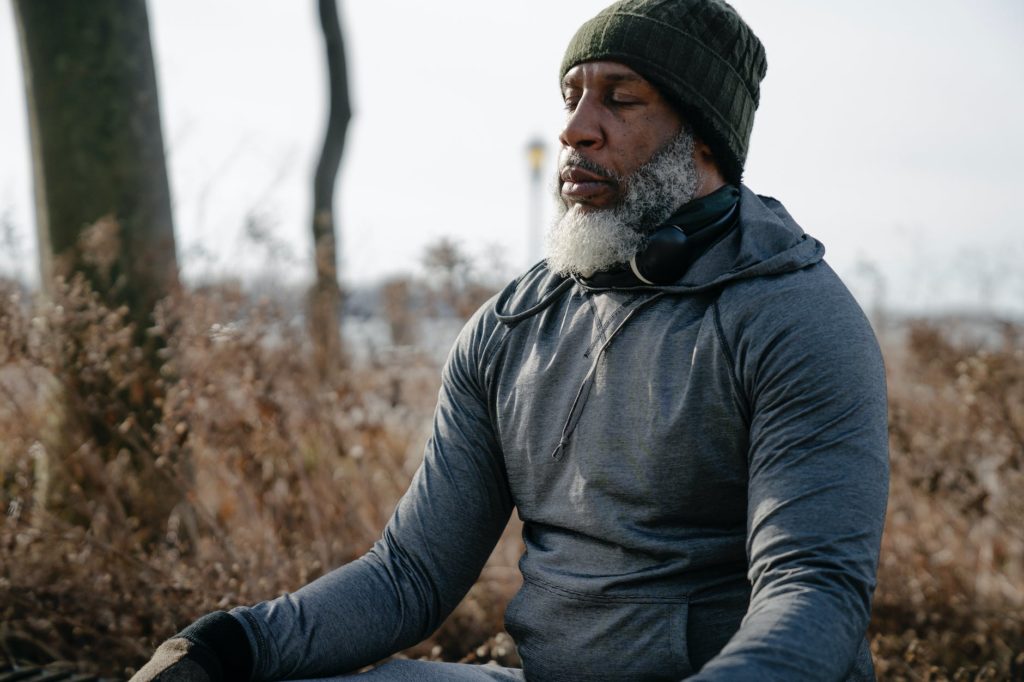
[222, 647]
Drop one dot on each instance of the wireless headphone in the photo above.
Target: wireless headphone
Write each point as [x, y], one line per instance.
[672, 249]
[675, 246]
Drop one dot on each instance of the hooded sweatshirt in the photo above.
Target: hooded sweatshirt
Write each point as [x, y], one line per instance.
[701, 470]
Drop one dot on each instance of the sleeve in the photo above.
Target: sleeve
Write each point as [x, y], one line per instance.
[810, 368]
[432, 550]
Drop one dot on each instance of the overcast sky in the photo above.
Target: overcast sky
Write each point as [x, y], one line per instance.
[889, 128]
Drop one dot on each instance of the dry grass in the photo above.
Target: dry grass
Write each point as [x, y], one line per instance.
[950, 603]
[274, 473]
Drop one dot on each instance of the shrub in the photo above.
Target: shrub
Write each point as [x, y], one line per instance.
[273, 473]
[950, 601]
[276, 475]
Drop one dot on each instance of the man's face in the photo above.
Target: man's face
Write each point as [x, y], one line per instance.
[616, 121]
[627, 163]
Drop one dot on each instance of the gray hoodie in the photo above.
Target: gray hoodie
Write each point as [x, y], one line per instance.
[701, 470]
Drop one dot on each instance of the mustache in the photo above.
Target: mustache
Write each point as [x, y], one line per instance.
[574, 158]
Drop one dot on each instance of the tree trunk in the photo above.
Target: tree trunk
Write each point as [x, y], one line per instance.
[97, 148]
[103, 210]
[325, 298]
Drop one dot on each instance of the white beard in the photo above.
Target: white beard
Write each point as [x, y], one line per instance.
[584, 241]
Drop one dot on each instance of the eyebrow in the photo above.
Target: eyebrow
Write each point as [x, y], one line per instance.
[613, 77]
[617, 77]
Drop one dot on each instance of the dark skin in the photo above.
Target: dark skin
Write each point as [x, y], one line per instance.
[617, 120]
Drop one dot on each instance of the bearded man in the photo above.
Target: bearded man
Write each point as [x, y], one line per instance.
[683, 402]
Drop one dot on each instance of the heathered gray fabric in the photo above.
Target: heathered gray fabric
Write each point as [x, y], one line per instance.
[431, 671]
[716, 505]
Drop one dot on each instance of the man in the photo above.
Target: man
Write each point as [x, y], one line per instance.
[683, 402]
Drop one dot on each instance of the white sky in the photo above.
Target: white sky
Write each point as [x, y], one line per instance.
[889, 128]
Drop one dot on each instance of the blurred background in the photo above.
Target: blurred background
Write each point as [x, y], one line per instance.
[162, 446]
[889, 130]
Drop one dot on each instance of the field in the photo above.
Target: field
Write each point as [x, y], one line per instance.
[256, 472]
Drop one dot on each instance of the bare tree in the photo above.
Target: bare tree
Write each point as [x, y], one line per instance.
[103, 210]
[325, 298]
[97, 148]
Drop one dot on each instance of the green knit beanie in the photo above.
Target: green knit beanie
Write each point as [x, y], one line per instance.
[699, 53]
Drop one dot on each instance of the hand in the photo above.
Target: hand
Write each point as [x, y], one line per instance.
[173, 661]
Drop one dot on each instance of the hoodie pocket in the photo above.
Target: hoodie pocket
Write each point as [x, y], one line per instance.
[565, 635]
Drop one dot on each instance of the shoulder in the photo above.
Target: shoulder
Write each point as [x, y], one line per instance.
[805, 318]
[806, 296]
[486, 330]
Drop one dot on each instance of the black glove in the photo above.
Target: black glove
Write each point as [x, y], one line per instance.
[215, 648]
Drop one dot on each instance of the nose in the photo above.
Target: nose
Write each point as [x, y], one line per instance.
[582, 126]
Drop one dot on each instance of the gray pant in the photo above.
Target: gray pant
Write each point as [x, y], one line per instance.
[427, 671]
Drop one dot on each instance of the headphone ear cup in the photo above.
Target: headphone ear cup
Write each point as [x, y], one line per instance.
[665, 258]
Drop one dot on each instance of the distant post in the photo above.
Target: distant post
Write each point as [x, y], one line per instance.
[535, 152]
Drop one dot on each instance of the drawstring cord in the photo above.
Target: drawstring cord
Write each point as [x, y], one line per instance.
[583, 394]
[512, 320]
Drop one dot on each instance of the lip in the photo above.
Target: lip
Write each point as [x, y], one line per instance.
[581, 185]
[577, 174]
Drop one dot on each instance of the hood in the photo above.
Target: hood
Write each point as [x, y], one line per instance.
[766, 241]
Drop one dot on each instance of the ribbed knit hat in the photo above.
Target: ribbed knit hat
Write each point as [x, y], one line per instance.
[699, 53]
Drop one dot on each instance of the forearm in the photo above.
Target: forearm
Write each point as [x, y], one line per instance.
[348, 618]
[388, 600]
[807, 630]
[431, 552]
[814, 555]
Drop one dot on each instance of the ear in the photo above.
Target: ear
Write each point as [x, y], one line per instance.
[703, 152]
[710, 174]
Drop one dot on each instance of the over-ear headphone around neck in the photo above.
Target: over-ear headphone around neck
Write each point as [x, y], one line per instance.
[671, 249]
